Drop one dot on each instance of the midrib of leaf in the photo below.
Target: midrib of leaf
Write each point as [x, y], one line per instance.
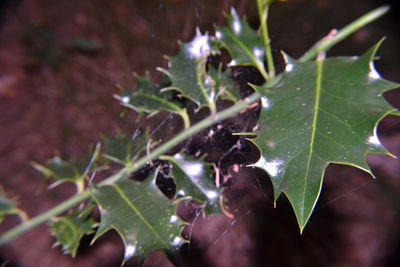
[318, 88]
[70, 225]
[201, 86]
[249, 54]
[130, 204]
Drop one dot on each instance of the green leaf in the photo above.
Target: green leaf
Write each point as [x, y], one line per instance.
[69, 229]
[148, 98]
[187, 72]
[7, 206]
[193, 179]
[68, 170]
[124, 149]
[224, 84]
[143, 217]
[243, 43]
[319, 112]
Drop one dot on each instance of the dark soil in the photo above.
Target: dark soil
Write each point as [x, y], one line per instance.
[59, 63]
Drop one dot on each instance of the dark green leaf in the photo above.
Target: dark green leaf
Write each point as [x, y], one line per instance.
[143, 217]
[7, 206]
[319, 113]
[193, 179]
[224, 84]
[69, 229]
[187, 72]
[243, 43]
[123, 149]
[68, 170]
[148, 98]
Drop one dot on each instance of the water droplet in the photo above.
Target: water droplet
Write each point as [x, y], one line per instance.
[258, 52]
[265, 102]
[125, 99]
[236, 24]
[373, 140]
[289, 67]
[177, 241]
[199, 46]
[373, 74]
[173, 219]
[178, 157]
[272, 167]
[211, 195]
[129, 251]
[232, 63]
[193, 169]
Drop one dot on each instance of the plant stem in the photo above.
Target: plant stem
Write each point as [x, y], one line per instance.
[263, 8]
[213, 118]
[326, 43]
[43, 217]
[185, 117]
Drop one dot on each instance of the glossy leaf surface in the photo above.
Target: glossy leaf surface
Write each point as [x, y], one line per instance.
[193, 179]
[243, 43]
[72, 170]
[147, 97]
[187, 71]
[319, 113]
[123, 149]
[69, 229]
[143, 217]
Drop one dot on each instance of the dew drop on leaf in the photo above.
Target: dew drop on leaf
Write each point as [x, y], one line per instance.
[265, 102]
[129, 251]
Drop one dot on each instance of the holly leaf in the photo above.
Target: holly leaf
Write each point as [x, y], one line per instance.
[7, 206]
[144, 218]
[193, 180]
[224, 84]
[319, 113]
[243, 43]
[148, 98]
[69, 230]
[187, 71]
[68, 170]
[124, 149]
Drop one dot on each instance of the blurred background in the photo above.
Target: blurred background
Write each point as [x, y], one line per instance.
[59, 64]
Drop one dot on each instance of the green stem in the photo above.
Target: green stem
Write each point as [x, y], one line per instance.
[326, 43]
[263, 9]
[185, 118]
[41, 218]
[213, 118]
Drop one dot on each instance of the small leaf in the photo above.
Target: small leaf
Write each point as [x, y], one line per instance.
[319, 112]
[124, 149]
[69, 229]
[148, 98]
[187, 72]
[7, 206]
[68, 170]
[193, 179]
[243, 43]
[224, 84]
[143, 217]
